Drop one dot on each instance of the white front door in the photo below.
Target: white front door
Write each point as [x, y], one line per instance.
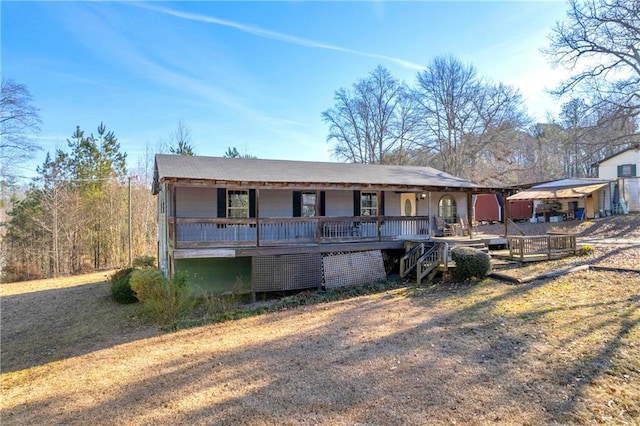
[408, 204]
[408, 208]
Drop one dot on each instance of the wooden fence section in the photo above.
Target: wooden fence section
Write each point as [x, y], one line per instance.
[524, 248]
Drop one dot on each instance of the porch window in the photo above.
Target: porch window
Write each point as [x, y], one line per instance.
[308, 204]
[237, 203]
[447, 209]
[369, 204]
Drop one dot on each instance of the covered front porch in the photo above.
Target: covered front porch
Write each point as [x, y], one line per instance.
[192, 232]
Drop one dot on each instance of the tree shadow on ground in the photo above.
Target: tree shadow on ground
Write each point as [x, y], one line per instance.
[49, 325]
[470, 354]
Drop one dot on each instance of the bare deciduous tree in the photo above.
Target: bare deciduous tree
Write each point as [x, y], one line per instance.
[600, 43]
[465, 119]
[19, 119]
[372, 120]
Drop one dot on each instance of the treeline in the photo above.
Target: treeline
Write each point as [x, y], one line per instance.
[75, 216]
[459, 122]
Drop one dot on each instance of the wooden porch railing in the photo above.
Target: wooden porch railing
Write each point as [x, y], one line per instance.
[204, 232]
[541, 245]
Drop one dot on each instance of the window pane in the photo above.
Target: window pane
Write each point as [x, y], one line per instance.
[309, 198]
[308, 204]
[369, 204]
[237, 204]
[447, 209]
[238, 213]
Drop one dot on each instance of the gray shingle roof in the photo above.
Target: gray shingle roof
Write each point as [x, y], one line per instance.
[300, 172]
[565, 183]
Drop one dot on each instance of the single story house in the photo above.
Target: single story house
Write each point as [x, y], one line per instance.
[568, 199]
[271, 223]
[624, 168]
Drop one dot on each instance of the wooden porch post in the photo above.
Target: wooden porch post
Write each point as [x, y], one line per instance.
[429, 212]
[174, 238]
[257, 219]
[505, 213]
[469, 214]
[379, 221]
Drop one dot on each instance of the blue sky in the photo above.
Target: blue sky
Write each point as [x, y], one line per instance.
[254, 75]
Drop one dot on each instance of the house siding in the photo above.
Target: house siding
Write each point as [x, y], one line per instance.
[608, 169]
[339, 203]
[276, 203]
[196, 202]
[629, 187]
[162, 229]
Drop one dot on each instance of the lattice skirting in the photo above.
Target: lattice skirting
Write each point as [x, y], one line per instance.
[350, 269]
[286, 272]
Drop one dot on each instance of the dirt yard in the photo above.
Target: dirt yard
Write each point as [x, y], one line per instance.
[556, 351]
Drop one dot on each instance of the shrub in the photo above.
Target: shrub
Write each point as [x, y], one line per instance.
[226, 302]
[166, 303]
[144, 282]
[470, 263]
[585, 250]
[121, 290]
[144, 262]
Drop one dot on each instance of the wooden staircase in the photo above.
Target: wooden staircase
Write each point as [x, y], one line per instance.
[410, 259]
[423, 258]
[429, 261]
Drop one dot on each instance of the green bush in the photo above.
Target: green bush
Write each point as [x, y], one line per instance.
[144, 262]
[144, 282]
[470, 263]
[168, 302]
[121, 290]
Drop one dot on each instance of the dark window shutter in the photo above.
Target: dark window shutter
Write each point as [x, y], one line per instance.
[252, 203]
[633, 170]
[297, 203]
[323, 203]
[222, 202]
[619, 171]
[356, 203]
[381, 204]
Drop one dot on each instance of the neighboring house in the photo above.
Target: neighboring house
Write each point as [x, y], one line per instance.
[272, 222]
[624, 168]
[568, 199]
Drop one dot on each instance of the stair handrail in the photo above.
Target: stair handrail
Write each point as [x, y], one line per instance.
[427, 263]
[410, 259]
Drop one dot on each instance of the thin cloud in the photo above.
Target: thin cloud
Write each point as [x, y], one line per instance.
[261, 32]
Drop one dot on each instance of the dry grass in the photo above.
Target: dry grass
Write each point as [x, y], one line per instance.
[554, 351]
[619, 226]
[49, 320]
